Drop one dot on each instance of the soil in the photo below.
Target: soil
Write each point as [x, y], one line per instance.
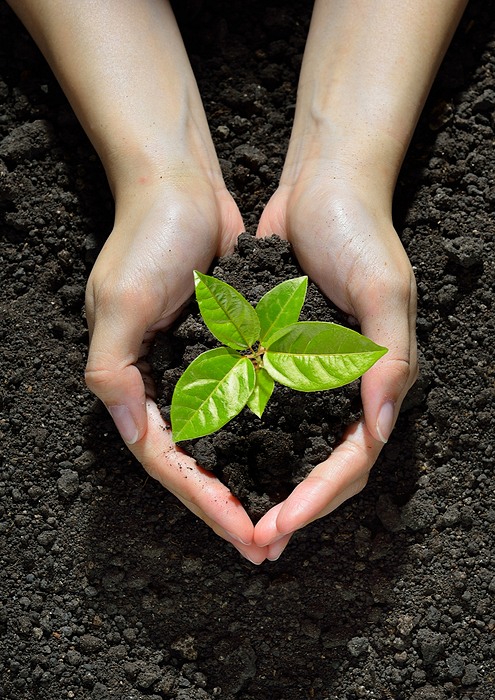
[109, 587]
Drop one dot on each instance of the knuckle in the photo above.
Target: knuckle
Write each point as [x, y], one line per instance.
[361, 483]
[399, 285]
[362, 456]
[401, 375]
[112, 294]
[98, 380]
[109, 288]
[401, 370]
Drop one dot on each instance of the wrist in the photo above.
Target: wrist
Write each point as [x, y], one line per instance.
[346, 159]
[156, 157]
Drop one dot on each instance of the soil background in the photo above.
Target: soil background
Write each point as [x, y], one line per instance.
[110, 588]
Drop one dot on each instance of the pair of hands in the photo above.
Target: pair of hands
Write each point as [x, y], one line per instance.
[143, 277]
[364, 79]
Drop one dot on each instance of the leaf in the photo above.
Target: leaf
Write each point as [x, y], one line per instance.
[213, 390]
[281, 307]
[228, 315]
[314, 356]
[261, 393]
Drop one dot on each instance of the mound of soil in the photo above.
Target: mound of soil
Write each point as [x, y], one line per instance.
[110, 588]
[261, 460]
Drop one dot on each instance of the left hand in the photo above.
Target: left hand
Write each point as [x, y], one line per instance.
[139, 282]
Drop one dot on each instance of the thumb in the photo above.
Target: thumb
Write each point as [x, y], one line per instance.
[112, 374]
[389, 320]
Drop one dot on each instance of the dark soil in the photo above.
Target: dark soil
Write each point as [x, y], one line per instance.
[109, 587]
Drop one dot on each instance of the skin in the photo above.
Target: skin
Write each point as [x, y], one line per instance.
[367, 69]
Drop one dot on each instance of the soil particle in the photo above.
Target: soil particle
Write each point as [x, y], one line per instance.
[30, 140]
[68, 483]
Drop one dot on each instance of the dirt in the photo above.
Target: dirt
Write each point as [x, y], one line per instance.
[109, 587]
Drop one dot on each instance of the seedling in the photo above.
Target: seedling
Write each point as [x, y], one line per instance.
[262, 345]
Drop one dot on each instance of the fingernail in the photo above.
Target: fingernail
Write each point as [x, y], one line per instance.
[256, 563]
[125, 423]
[277, 548]
[385, 422]
[237, 539]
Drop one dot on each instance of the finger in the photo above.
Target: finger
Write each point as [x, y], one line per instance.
[265, 530]
[388, 317]
[254, 554]
[273, 220]
[274, 551]
[332, 482]
[197, 488]
[117, 329]
[250, 551]
[383, 300]
[266, 534]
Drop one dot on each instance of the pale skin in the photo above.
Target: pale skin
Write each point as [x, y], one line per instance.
[367, 69]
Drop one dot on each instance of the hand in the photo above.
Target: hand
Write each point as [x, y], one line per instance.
[138, 285]
[346, 243]
[364, 79]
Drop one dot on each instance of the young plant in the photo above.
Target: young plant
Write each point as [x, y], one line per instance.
[263, 345]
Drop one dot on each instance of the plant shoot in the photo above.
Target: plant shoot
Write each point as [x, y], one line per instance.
[261, 345]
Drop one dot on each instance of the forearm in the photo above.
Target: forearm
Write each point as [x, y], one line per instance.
[367, 70]
[123, 66]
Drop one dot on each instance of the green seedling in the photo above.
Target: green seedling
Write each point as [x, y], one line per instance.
[262, 345]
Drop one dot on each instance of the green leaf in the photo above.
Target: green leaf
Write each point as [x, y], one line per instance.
[261, 393]
[213, 390]
[314, 356]
[281, 307]
[228, 315]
